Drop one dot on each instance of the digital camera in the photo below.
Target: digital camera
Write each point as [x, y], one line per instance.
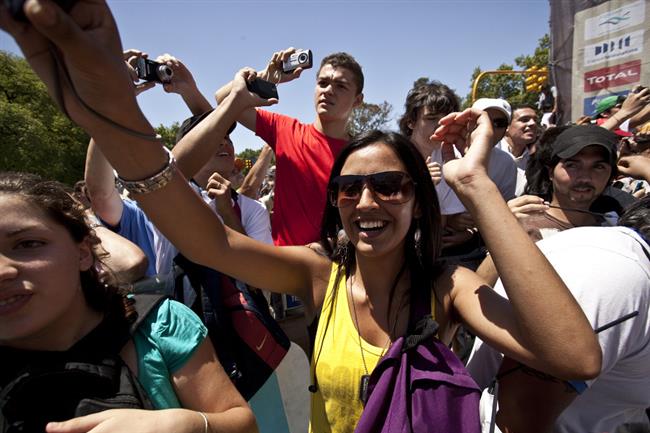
[264, 89]
[148, 70]
[300, 59]
[16, 7]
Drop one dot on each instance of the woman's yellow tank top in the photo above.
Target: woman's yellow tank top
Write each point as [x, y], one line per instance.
[338, 363]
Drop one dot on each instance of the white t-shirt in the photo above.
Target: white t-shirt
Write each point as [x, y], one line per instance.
[520, 160]
[254, 216]
[501, 169]
[606, 270]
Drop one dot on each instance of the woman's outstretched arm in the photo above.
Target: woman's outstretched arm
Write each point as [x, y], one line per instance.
[79, 57]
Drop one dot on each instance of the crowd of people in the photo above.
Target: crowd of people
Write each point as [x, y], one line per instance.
[531, 244]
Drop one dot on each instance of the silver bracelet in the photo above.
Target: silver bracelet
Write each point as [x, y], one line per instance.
[205, 422]
[152, 183]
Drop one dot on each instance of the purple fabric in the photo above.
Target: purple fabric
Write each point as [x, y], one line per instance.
[424, 389]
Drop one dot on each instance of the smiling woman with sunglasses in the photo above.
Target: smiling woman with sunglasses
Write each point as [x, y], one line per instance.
[380, 234]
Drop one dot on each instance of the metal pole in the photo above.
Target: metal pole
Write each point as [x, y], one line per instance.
[499, 72]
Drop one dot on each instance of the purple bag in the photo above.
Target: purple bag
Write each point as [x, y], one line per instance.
[421, 386]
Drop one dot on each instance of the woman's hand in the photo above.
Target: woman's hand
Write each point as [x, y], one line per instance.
[78, 55]
[471, 128]
[133, 421]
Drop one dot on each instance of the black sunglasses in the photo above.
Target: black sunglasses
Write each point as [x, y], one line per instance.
[393, 187]
[500, 123]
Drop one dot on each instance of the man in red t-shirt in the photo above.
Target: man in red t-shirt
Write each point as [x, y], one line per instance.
[305, 153]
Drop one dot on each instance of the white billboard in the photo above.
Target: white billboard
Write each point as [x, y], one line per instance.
[615, 20]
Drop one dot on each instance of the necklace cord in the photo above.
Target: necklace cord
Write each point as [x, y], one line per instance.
[392, 330]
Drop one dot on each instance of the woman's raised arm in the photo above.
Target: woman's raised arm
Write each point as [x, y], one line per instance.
[542, 325]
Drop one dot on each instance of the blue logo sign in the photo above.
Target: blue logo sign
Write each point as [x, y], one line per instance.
[590, 103]
[617, 19]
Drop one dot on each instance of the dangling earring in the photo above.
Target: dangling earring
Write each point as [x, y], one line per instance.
[417, 240]
[343, 245]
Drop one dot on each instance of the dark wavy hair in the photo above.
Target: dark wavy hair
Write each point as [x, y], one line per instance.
[422, 251]
[433, 94]
[57, 202]
[538, 179]
[637, 217]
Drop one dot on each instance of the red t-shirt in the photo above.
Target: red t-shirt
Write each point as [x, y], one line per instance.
[304, 158]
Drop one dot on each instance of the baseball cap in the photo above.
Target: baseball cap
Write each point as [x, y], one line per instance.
[576, 138]
[608, 103]
[496, 103]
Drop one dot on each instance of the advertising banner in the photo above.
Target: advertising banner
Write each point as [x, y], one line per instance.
[599, 48]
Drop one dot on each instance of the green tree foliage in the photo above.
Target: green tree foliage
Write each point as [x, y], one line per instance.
[35, 136]
[251, 154]
[168, 134]
[511, 87]
[369, 116]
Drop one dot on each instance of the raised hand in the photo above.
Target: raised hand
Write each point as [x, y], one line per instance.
[241, 92]
[471, 128]
[182, 81]
[435, 170]
[218, 188]
[638, 98]
[636, 166]
[273, 71]
[131, 56]
[79, 58]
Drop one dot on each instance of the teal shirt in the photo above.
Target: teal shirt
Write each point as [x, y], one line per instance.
[164, 342]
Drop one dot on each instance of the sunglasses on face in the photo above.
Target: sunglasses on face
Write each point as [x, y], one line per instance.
[393, 187]
[500, 123]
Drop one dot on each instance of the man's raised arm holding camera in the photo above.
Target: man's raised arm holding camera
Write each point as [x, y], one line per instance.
[307, 150]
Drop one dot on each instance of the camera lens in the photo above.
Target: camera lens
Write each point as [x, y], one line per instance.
[165, 74]
[302, 58]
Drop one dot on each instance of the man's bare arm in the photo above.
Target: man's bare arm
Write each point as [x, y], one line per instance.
[100, 184]
[272, 72]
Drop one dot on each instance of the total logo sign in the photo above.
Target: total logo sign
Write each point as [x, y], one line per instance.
[617, 75]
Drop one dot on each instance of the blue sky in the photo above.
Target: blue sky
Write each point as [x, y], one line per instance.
[396, 42]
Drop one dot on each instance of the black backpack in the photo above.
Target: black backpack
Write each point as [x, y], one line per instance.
[249, 342]
[37, 387]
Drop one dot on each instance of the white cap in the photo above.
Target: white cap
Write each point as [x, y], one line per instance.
[499, 104]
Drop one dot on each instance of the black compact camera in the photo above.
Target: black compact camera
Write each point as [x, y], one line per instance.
[148, 70]
[300, 59]
[16, 7]
[264, 89]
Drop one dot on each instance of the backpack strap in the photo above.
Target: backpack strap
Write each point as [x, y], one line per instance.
[421, 324]
[144, 304]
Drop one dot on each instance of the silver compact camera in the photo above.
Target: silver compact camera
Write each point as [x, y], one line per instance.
[300, 59]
